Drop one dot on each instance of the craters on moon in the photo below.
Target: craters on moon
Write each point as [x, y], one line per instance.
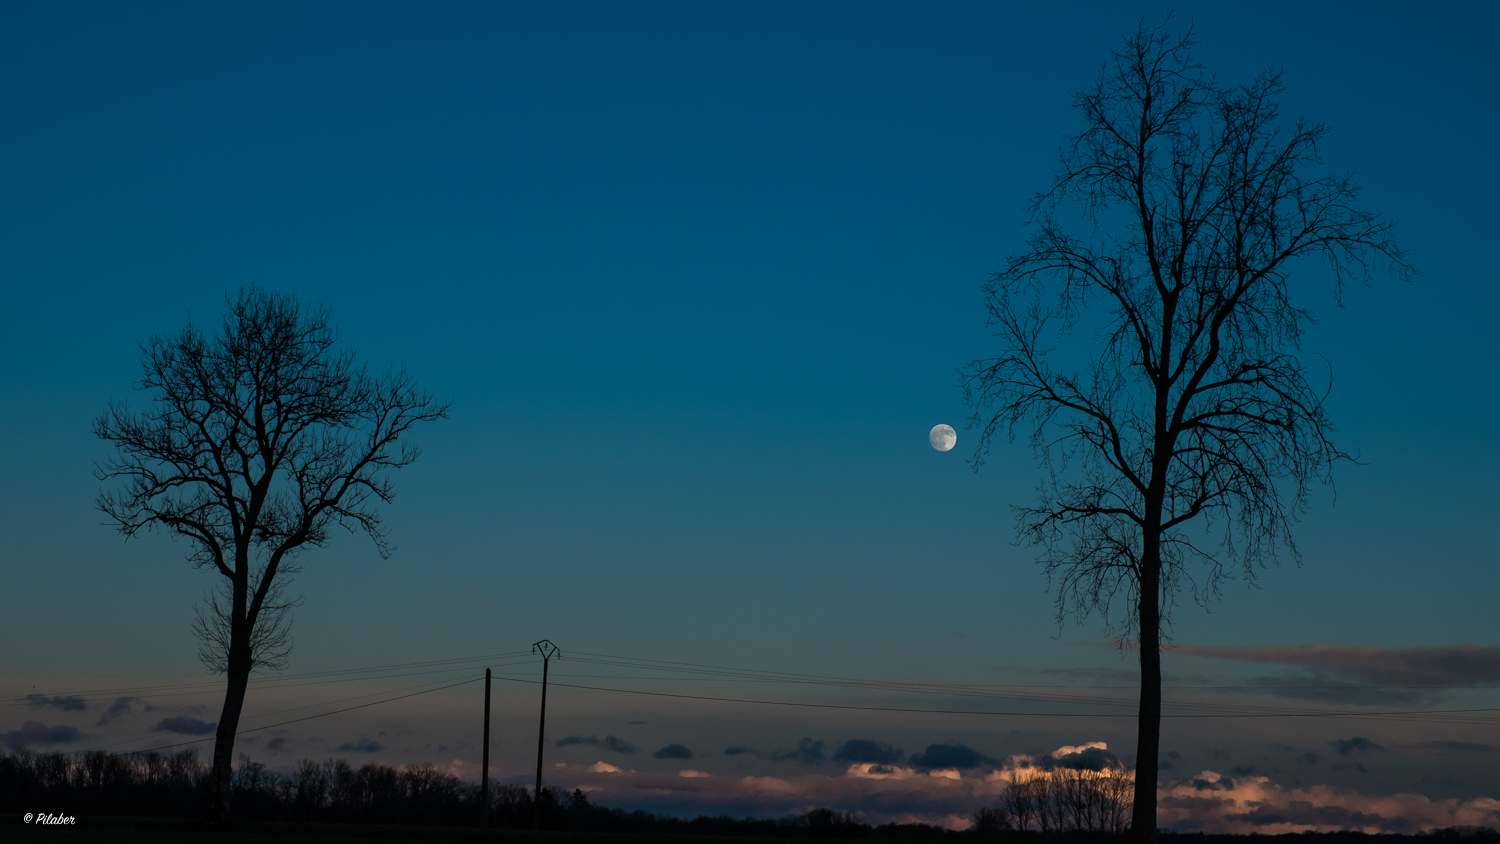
[943, 437]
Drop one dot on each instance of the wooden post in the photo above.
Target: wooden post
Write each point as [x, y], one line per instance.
[484, 773]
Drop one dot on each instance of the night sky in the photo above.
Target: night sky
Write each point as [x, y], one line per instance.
[698, 279]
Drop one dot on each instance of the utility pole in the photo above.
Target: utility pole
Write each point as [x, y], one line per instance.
[548, 651]
[484, 774]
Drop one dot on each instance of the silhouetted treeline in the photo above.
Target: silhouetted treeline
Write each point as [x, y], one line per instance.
[1062, 800]
[179, 784]
[97, 782]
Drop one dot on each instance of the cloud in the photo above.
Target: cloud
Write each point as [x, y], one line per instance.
[278, 744]
[364, 745]
[1089, 756]
[1097, 675]
[1093, 756]
[117, 710]
[1218, 804]
[959, 756]
[1355, 745]
[881, 793]
[1364, 674]
[185, 726]
[736, 750]
[1316, 684]
[1209, 802]
[35, 732]
[1455, 745]
[70, 703]
[674, 751]
[609, 743]
[864, 750]
[808, 752]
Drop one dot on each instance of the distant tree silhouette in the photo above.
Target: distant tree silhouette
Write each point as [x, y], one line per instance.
[1190, 408]
[1062, 800]
[258, 442]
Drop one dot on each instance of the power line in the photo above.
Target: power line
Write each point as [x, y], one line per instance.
[718, 673]
[272, 682]
[689, 667]
[292, 721]
[723, 673]
[955, 690]
[1391, 716]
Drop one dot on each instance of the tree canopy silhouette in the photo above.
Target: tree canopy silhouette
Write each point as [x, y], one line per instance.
[258, 442]
[1153, 358]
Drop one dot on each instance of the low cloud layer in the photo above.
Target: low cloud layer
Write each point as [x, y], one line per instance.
[807, 752]
[365, 744]
[957, 756]
[1460, 746]
[184, 726]
[864, 750]
[674, 751]
[68, 703]
[610, 743]
[1364, 675]
[1356, 746]
[1216, 803]
[882, 793]
[37, 734]
[117, 710]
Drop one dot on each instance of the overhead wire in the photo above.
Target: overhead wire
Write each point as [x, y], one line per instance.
[959, 690]
[294, 720]
[677, 671]
[277, 681]
[723, 673]
[1409, 716]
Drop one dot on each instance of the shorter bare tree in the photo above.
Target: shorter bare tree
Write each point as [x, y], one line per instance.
[258, 442]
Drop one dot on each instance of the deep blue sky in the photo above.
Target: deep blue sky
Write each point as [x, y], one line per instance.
[698, 278]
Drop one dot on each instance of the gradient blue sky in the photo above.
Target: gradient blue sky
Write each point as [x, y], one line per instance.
[698, 278]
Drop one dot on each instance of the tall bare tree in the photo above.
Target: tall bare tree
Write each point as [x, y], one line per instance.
[258, 442]
[1181, 431]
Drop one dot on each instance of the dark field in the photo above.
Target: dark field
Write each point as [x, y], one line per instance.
[134, 830]
[137, 830]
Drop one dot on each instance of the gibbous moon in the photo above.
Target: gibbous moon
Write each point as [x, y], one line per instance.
[943, 437]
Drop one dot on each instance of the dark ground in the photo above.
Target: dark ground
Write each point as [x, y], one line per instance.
[108, 829]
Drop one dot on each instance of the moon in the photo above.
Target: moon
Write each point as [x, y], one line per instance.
[943, 437]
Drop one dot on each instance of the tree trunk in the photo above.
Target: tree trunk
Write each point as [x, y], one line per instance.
[1148, 719]
[239, 666]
